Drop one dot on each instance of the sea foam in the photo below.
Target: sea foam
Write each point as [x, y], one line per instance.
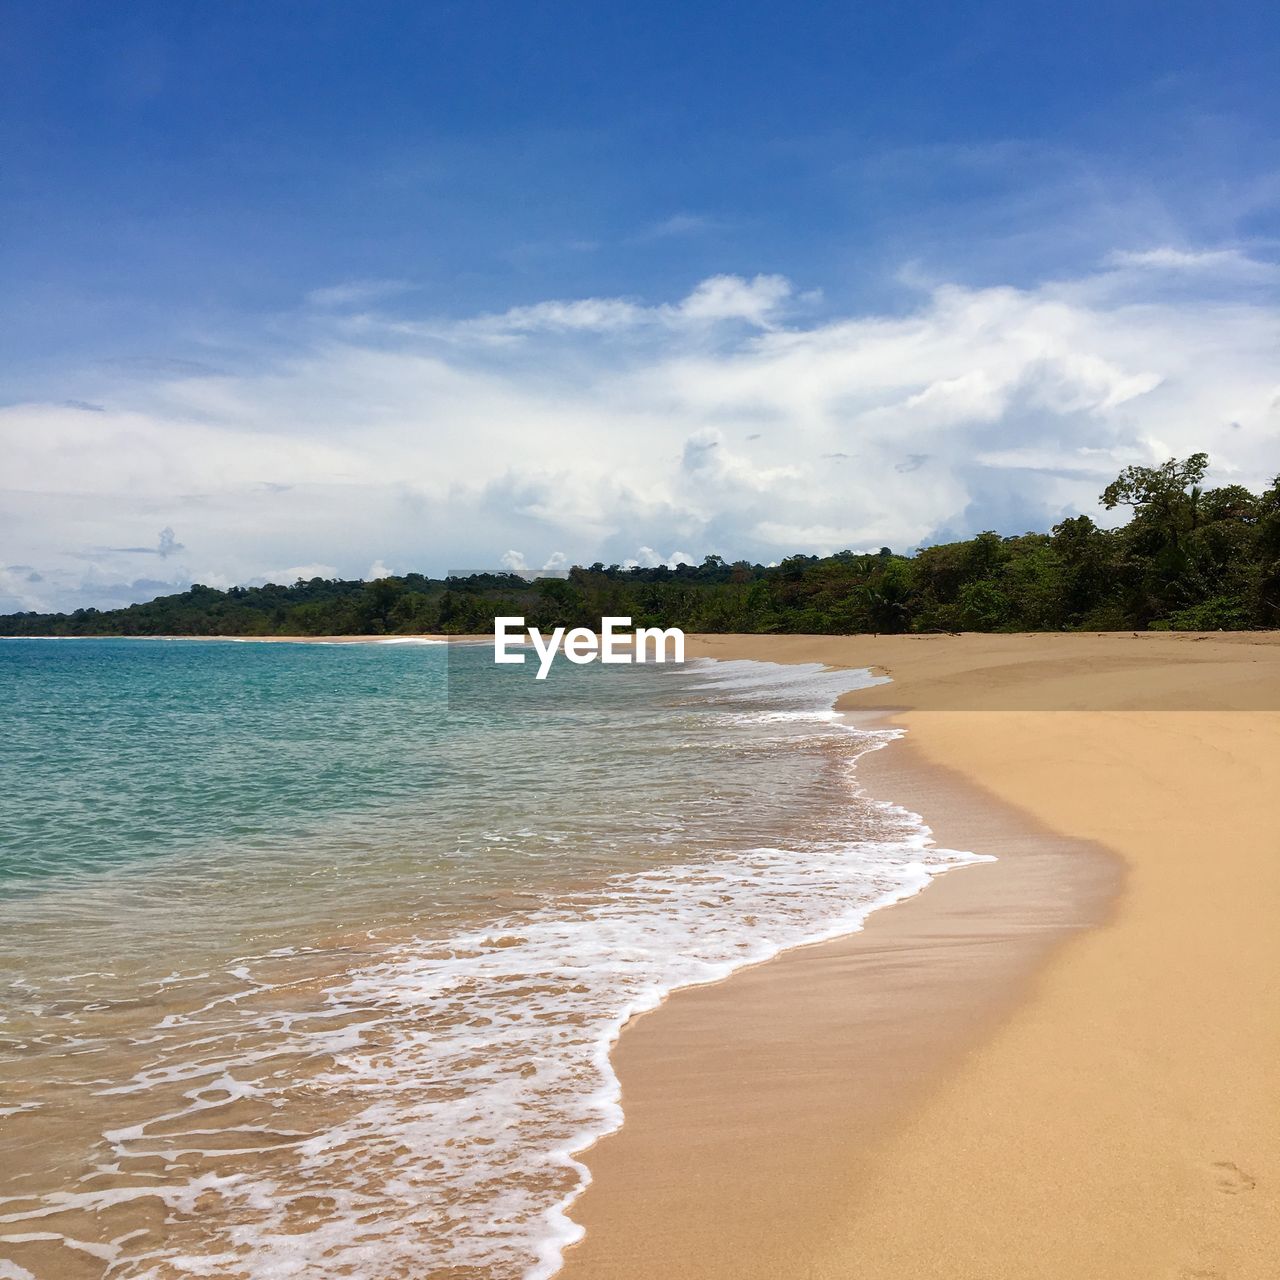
[426, 1109]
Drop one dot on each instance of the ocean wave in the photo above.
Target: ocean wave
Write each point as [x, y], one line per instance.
[423, 1109]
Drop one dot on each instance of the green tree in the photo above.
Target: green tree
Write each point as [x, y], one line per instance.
[1165, 497]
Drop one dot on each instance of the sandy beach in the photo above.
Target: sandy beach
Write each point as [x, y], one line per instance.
[1060, 1064]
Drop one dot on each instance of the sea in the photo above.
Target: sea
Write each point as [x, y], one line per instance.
[312, 955]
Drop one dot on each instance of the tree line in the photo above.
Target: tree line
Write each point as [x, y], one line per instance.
[1188, 558]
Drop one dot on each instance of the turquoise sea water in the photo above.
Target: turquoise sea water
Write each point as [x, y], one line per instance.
[117, 751]
[312, 954]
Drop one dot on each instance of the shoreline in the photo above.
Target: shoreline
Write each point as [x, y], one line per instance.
[896, 975]
[792, 1121]
[567, 1231]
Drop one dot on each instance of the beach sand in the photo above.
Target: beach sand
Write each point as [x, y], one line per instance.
[1061, 1064]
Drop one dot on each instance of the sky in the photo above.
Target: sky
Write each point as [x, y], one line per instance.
[350, 290]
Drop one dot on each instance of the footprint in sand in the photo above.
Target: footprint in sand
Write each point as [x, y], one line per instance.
[1231, 1179]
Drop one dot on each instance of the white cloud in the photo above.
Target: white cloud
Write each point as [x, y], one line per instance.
[356, 293]
[281, 576]
[648, 558]
[18, 592]
[755, 302]
[600, 314]
[732, 298]
[680, 224]
[603, 429]
[1168, 258]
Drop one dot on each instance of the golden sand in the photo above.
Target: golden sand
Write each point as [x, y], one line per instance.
[979, 1085]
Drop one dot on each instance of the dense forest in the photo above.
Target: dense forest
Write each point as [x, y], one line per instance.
[1188, 558]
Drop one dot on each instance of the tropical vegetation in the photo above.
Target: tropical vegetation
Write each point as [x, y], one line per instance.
[1188, 558]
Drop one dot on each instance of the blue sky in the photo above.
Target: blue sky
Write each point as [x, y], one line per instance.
[257, 260]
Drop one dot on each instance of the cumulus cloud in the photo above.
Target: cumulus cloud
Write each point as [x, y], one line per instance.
[722, 421]
[648, 558]
[557, 565]
[755, 301]
[281, 577]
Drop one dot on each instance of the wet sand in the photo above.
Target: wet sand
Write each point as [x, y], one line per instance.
[1062, 1064]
